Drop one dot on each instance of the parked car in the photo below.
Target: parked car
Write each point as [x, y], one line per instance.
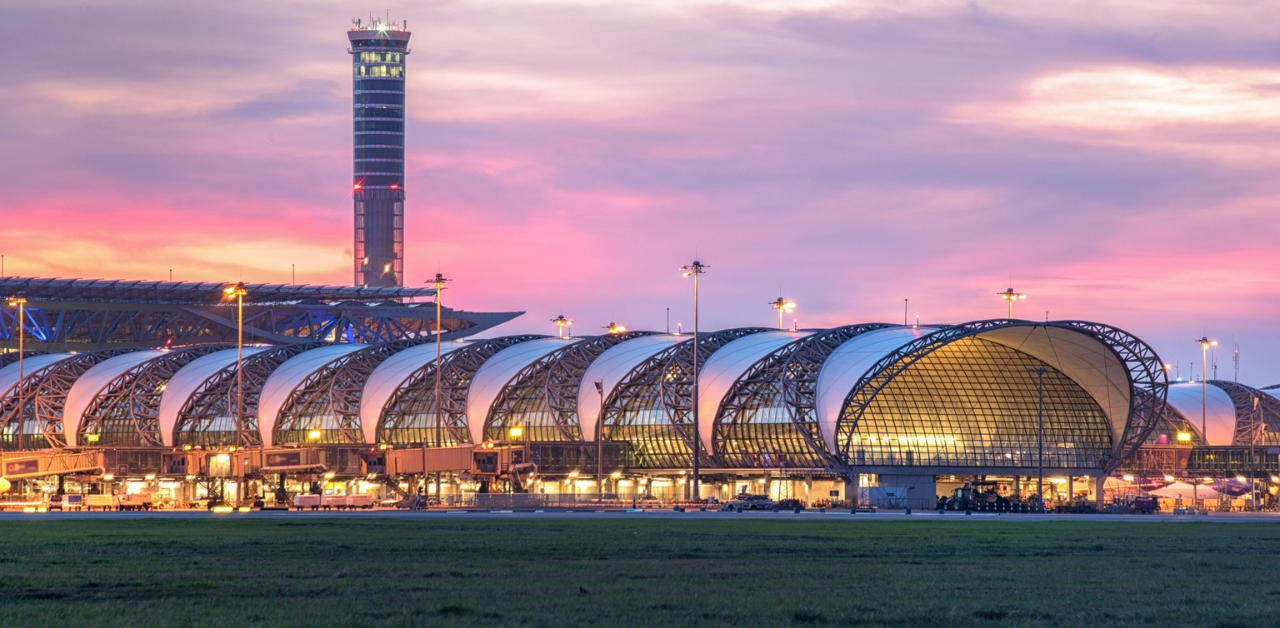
[790, 504]
[749, 502]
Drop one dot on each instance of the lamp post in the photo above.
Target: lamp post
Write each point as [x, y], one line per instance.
[1010, 296]
[695, 269]
[438, 283]
[1253, 439]
[561, 323]
[238, 292]
[782, 305]
[1040, 434]
[20, 303]
[1205, 343]
[600, 444]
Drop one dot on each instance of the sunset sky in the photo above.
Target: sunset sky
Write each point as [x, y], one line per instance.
[1116, 161]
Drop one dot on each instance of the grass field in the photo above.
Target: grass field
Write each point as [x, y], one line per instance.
[713, 572]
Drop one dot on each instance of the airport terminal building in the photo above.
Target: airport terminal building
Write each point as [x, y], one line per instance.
[812, 414]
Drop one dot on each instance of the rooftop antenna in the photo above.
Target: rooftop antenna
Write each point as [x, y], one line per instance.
[1235, 359]
[905, 303]
[668, 319]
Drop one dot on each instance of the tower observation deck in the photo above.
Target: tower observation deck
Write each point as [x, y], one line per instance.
[378, 50]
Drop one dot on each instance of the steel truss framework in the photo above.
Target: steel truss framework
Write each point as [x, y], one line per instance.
[1258, 427]
[1143, 368]
[769, 418]
[125, 412]
[76, 315]
[208, 418]
[329, 399]
[543, 397]
[46, 393]
[409, 417]
[652, 406]
[8, 408]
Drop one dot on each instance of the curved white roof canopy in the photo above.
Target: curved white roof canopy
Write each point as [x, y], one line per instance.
[282, 382]
[846, 365]
[9, 374]
[87, 386]
[186, 381]
[1086, 360]
[726, 365]
[1215, 409]
[610, 367]
[496, 372]
[389, 376]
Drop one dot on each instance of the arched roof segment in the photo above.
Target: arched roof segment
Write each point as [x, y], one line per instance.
[385, 380]
[1214, 409]
[847, 365]
[187, 380]
[496, 372]
[287, 377]
[1141, 377]
[726, 365]
[1088, 362]
[32, 363]
[87, 386]
[610, 368]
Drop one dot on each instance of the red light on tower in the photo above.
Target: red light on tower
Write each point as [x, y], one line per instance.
[356, 186]
[395, 186]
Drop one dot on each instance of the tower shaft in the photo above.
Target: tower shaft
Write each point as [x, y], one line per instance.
[378, 51]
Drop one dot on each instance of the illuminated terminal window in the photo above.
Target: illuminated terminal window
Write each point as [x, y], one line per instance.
[975, 403]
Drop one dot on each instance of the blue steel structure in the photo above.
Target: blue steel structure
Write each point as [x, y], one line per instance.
[90, 314]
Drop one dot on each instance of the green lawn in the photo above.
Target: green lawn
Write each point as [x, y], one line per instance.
[702, 571]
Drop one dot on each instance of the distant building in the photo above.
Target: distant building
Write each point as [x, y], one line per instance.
[378, 52]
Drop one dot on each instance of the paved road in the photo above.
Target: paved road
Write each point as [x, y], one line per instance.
[809, 515]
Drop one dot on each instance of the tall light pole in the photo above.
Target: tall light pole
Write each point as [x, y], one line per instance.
[1010, 296]
[20, 303]
[695, 269]
[1253, 440]
[600, 444]
[1205, 343]
[438, 283]
[238, 292]
[561, 324]
[1040, 435]
[782, 305]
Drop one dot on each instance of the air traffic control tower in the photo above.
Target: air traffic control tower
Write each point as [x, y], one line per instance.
[378, 50]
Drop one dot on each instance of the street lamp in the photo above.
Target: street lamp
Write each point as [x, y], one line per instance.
[1205, 343]
[613, 329]
[1010, 296]
[238, 292]
[439, 284]
[1040, 436]
[782, 305]
[695, 269]
[20, 303]
[561, 323]
[600, 443]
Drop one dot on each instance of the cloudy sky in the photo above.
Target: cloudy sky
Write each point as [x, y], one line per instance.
[1114, 160]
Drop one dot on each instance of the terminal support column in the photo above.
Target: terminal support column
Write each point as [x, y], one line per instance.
[851, 489]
